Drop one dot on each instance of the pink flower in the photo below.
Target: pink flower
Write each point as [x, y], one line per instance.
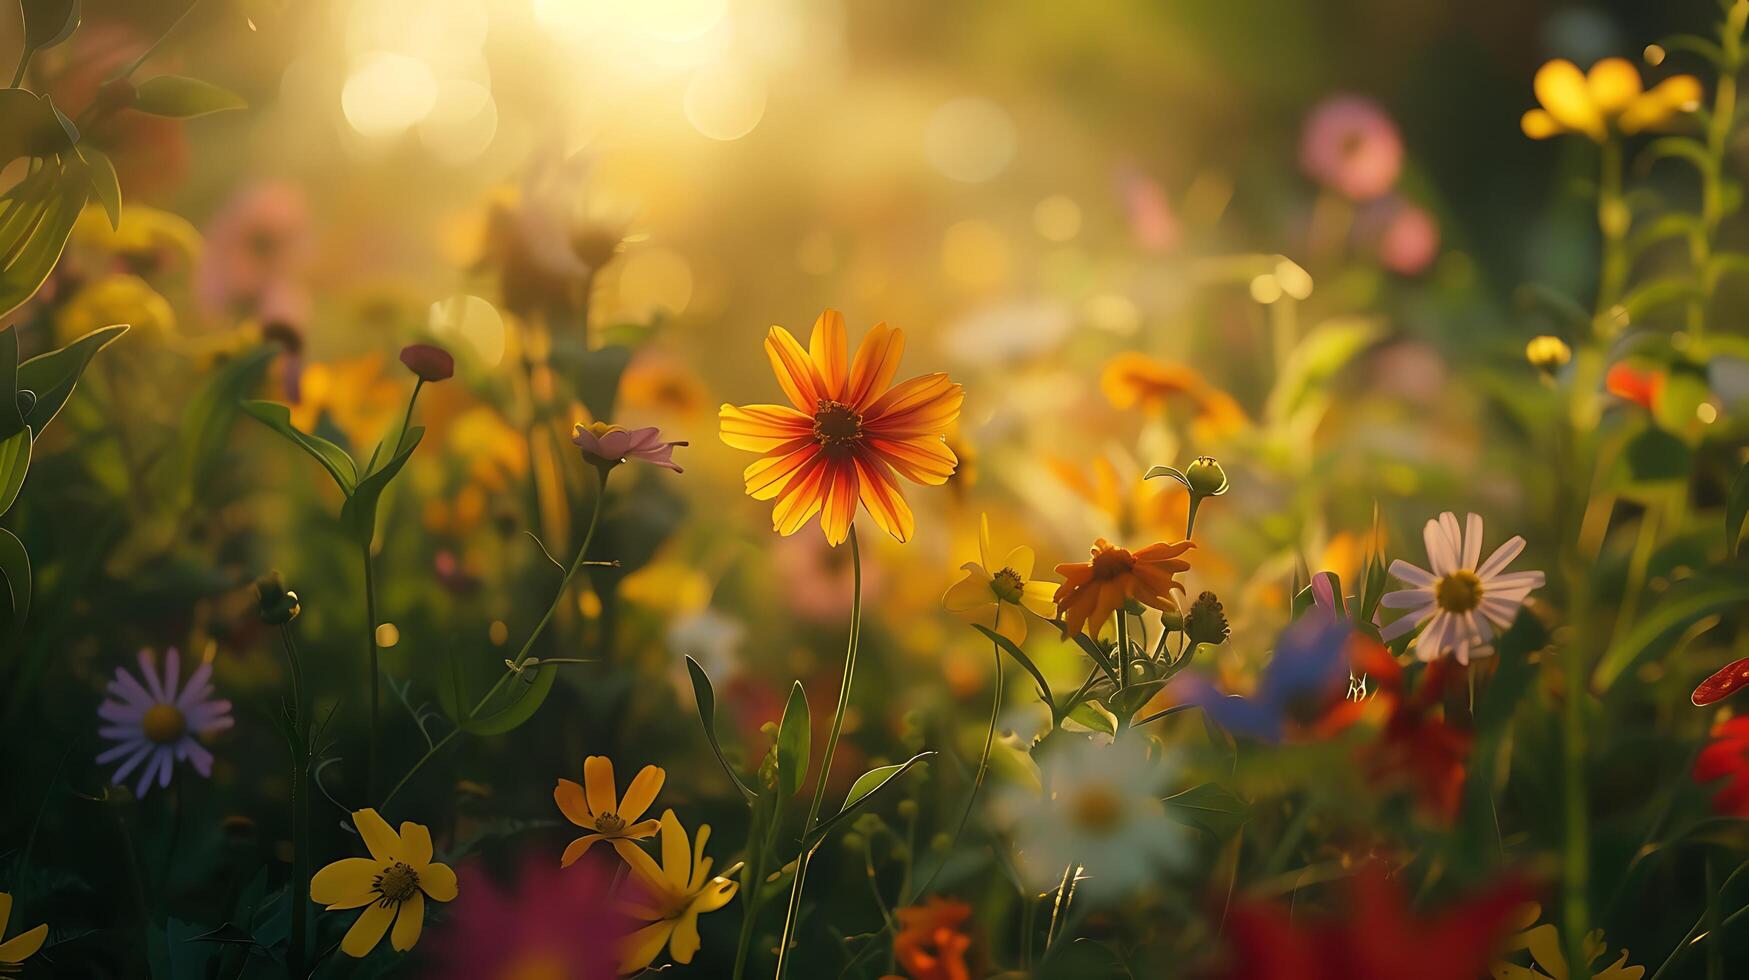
[157, 724]
[1408, 238]
[1351, 146]
[255, 246]
[551, 923]
[611, 445]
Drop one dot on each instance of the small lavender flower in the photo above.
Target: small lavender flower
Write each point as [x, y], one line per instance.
[155, 723]
[611, 445]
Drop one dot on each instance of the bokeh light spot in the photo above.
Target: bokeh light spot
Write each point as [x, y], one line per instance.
[654, 279]
[974, 253]
[388, 634]
[472, 321]
[725, 101]
[970, 140]
[387, 93]
[1057, 218]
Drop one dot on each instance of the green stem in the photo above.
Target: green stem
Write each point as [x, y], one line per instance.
[370, 627]
[1123, 650]
[300, 805]
[793, 913]
[1612, 223]
[516, 664]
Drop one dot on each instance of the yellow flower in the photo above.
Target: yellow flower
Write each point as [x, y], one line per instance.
[847, 434]
[994, 600]
[671, 897]
[1576, 102]
[1547, 354]
[1544, 945]
[592, 806]
[392, 884]
[116, 298]
[20, 947]
[142, 232]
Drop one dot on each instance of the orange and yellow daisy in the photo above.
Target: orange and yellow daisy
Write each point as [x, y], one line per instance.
[1093, 590]
[592, 806]
[671, 896]
[993, 596]
[848, 432]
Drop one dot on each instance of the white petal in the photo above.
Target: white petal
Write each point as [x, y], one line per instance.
[1472, 540]
[1407, 623]
[1406, 599]
[1501, 557]
[1516, 581]
[1454, 536]
[1413, 575]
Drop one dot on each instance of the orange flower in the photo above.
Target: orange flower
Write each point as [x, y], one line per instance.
[849, 434]
[1134, 379]
[930, 944]
[1093, 590]
[1637, 386]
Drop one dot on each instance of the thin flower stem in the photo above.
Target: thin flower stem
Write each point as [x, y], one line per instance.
[983, 769]
[522, 655]
[370, 627]
[1123, 650]
[300, 805]
[795, 894]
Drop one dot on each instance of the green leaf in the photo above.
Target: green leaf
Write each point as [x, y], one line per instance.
[1658, 294]
[14, 463]
[1038, 677]
[1209, 807]
[1736, 509]
[333, 459]
[1679, 148]
[184, 98]
[862, 792]
[792, 742]
[14, 579]
[54, 375]
[11, 417]
[1656, 456]
[513, 715]
[31, 126]
[1326, 350]
[1091, 647]
[1126, 702]
[31, 250]
[706, 698]
[1092, 716]
[48, 22]
[359, 514]
[1675, 613]
[1704, 47]
[104, 182]
[1158, 470]
[206, 419]
[1664, 228]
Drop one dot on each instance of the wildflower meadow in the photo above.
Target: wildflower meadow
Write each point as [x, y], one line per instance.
[796, 489]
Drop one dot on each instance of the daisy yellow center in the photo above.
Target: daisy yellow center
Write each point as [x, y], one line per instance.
[1458, 592]
[1096, 809]
[609, 823]
[1007, 585]
[836, 424]
[164, 723]
[397, 883]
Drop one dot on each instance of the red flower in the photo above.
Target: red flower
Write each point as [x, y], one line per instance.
[1628, 382]
[1380, 937]
[930, 944]
[429, 362]
[1728, 755]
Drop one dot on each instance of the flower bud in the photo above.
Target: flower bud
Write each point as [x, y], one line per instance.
[429, 362]
[1172, 620]
[1133, 608]
[1547, 354]
[278, 604]
[1205, 477]
[1207, 621]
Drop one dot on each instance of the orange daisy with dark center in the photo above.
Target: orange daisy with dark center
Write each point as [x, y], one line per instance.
[848, 433]
[1094, 590]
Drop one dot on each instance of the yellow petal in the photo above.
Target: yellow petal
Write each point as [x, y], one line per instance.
[5, 911]
[715, 895]
[408, 922]
[828, 349]
[415, 843]
[1010, 622]
[598, 784]
[1020, 561]
[684, 943]
[577, 849]
[642, 947]
[643, 866]
[676, 851]
[641, 793]
[346, 884]
[368, 930]
[381, 840]
[569, 796]
[22, 946]
[1669, 97]
[1039, 598]
[1614, 84]
[438, 882]
[1539, 125]
[1544, 944]
[984, 540]
[1563, 91]
[969, 592]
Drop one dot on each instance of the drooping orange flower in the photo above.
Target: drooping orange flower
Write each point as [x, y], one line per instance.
[1133, 379]
[931, 943]
[1642, 387]
[847, 433]
[1093, 590]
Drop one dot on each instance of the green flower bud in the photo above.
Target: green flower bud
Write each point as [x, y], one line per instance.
[1207, 621]
[1205, 477]
[1172, 620]
[1133, 608]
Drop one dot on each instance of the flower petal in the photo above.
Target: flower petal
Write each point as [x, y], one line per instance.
[971, 592]
[379, 838]
[1501, 557]
[880, 492]
[1472, 541]
[641, 948]
[795, 371]
[641, 793]
[598, 785]
[877, 360]
[839, 507]
[827, 348]
[577, 849]
[346, 884]
[415, 843]
[368, 930]
[763, 428]
[409, 920]
[22, 946]
[569, 796]
[438, 882]
[1564, 92]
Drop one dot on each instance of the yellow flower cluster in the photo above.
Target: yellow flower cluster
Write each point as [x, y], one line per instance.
[1609, 97]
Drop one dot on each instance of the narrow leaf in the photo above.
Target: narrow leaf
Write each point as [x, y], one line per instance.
[184, 98]
[333, 459]
[1038, 677]
[54, 375]
[14, 579]
[14, 463]
[793, 742]
[706, 697]
[48, 22]
[105, 185]
[862, 792]
[1736, 509]
[513, 715]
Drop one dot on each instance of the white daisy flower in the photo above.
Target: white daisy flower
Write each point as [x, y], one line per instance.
[1464, 604]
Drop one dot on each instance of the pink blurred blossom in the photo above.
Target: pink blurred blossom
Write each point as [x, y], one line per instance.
[1152, 220]
[1351, 146]
[256, 246]
[1407, 236]
[551, 922]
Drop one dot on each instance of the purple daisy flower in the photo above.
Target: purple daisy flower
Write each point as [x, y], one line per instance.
[612, 445]
[156, 724]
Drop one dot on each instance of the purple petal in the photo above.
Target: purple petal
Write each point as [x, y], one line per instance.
[614, 445]
[142, 750]
[115, 752]
[1501, 557]
[1402, 571]
[641, 439]
[197, 688]
[172, 673]
[127, 687]
[586, 441]
[117, 711]
[196, 753]
[149, 674]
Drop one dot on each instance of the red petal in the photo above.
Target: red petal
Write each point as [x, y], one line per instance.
[1729, 679]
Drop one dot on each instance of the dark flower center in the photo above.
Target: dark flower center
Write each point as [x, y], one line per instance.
[1459, 592]
[609, 823]
[836, 424]
[1111, 563]
[397, 883]
[1007, 585]
[164, 723]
